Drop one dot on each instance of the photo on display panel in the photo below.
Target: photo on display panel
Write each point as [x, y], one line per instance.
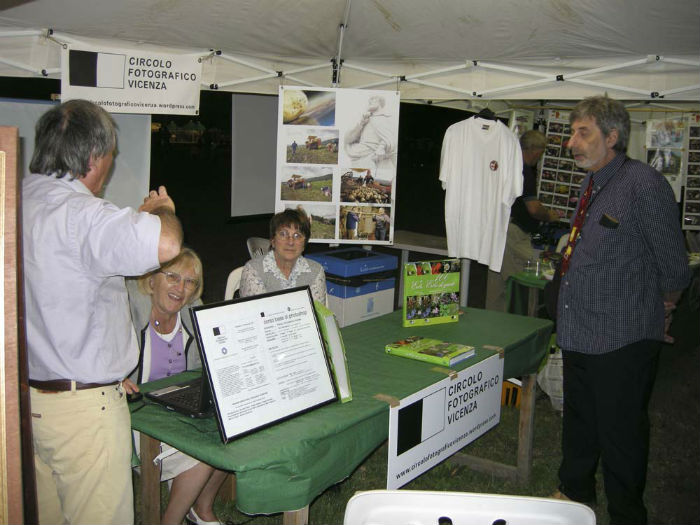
[311, 145]
[359, 186]
[321, 216]
[308, 107]
[307, 183]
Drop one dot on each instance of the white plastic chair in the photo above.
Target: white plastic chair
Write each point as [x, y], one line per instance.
[257, 246]
[398, 507]
[233, 283]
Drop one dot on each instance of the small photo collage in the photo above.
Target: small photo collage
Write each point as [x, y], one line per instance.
[560, 178]
[337, 154]
[691, 201]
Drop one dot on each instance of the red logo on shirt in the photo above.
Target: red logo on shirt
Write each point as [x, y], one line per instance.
[493, 165]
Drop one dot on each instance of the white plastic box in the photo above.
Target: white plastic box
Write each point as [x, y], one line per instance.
[359, 308]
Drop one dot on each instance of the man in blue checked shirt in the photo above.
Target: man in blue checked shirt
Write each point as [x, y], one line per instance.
[627, 270]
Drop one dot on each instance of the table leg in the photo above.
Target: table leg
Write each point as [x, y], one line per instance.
[150, 480]
[464, 268]
[532, 301]
[404, 260]
[296, 517]
[526, 426]
[227, 492]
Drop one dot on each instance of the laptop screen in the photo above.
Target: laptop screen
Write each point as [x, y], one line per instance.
[264, 359]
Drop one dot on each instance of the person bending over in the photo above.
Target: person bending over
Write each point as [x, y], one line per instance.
[77, 248]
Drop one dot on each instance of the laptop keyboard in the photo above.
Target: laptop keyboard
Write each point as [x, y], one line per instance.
[188, 397]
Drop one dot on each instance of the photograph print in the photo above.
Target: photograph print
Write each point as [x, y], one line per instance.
[369, 121]
[307, 183]
[358, 185]
[321, 216]
[308, 107]
[311, 145]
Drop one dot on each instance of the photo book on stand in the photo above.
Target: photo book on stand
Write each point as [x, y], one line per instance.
[431, 292]
[264, 359]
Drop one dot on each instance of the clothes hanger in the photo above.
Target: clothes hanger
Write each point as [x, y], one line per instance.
[487, 114]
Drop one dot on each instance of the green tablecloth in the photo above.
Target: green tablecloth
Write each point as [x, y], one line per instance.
[286, 466]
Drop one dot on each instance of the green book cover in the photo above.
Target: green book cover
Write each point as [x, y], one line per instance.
[430, 350]
[335, 349]
[431, 292]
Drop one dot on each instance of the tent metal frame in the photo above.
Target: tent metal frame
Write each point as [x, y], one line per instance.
[337, 63]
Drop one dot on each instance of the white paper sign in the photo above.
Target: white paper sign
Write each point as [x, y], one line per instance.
[131, 81]
[429, 426]
[265, 359]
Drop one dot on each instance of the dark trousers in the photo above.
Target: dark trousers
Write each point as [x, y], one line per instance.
[605, 417]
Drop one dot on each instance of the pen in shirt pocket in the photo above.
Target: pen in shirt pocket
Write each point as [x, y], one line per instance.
[609, 222]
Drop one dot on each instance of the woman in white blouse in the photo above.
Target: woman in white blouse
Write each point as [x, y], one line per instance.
[283, 266]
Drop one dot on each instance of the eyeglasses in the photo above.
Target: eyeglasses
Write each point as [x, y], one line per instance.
[175, 278]
[286, 234]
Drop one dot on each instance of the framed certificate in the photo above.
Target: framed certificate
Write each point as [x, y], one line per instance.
[264, 359]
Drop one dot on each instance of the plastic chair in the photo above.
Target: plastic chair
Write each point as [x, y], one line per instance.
[257, 246]
[233, 283]
[398, 507]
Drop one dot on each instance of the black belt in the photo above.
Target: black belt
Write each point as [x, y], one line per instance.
[65, 385]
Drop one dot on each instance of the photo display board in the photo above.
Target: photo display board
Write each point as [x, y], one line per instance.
[336, 160]
[560, 178]
[665, 141]
[264, 359]
[691, 206]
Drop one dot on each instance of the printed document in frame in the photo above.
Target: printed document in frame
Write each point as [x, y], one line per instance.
[264, 359]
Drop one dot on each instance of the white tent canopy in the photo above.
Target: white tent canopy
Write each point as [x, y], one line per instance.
[428, 49]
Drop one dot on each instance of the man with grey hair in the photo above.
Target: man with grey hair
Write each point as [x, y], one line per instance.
[526, 214]
[76, 249]
[623, 270]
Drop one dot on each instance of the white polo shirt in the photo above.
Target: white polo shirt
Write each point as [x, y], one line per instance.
[77, 248]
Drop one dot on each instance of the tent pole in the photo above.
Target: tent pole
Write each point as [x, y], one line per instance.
[338, 59]
[679, 90]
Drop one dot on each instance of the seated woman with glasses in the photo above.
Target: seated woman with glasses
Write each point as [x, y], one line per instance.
[158, 303]
[283, 266]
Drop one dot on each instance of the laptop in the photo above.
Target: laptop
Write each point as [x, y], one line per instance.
[191, 397]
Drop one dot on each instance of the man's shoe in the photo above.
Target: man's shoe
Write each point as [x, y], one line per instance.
[558, 494]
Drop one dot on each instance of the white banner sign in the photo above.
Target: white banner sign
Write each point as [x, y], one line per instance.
[336, 160]
[131, 81]
[429, 426]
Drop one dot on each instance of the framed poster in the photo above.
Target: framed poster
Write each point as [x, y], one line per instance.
[264, 359]
[336, 160]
